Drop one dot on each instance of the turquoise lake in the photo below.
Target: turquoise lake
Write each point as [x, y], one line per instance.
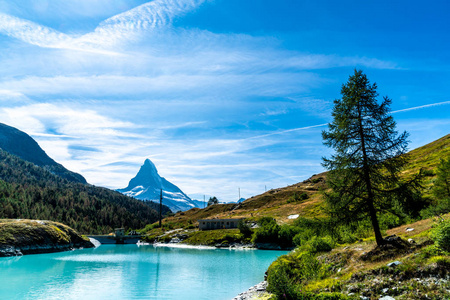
[134, 272]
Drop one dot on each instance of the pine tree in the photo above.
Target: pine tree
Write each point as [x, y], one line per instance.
[368, 154]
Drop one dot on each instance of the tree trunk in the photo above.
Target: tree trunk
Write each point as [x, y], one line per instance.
[370, 197]
[376, 227]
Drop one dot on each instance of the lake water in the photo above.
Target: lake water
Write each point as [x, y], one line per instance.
[134, 272]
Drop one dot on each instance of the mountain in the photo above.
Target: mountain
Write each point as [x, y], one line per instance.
[28, 191]
[34, 186]
[19, 143]
[147, 185]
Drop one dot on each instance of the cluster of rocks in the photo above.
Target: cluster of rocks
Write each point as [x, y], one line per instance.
[253, 292]
[391, 284]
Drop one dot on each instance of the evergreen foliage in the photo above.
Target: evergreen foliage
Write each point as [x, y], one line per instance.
[212, 201]
[441, 235]
[368, 157]
[441, 189]
[31, 192]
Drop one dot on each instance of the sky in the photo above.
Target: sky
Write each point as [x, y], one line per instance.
[222, 95]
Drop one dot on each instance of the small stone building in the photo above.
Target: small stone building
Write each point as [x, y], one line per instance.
[211, 224]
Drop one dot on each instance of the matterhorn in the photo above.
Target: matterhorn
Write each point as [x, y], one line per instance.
[147, 185]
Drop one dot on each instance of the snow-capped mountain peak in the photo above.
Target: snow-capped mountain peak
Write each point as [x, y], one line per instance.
[147, 185]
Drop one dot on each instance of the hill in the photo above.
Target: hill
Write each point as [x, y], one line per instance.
[28, 191]
[22, 145]
[18, 237]
[304, 198]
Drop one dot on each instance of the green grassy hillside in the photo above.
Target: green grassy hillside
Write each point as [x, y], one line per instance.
[283, 202]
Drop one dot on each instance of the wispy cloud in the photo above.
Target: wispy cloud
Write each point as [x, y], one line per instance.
[122, 27]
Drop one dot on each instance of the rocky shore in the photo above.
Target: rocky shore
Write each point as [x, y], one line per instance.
[255, 292]
[20, 237]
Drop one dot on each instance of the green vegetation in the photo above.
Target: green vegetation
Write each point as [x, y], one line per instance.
[31, 192]
[213, 200]
[222, 237]
[33, 236]
[353, 270]
[441, 236]
[298, 197]
[364, 171]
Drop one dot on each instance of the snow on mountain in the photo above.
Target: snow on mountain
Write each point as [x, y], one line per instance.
[147, 185]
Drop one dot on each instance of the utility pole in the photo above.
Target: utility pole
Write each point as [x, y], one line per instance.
[160, 209]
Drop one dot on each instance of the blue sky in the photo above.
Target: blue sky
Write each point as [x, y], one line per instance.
[220, 94]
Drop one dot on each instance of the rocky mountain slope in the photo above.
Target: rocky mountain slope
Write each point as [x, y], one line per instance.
[19, 143]
[147, 185]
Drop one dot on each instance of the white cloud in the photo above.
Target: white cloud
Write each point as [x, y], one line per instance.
[119, 28]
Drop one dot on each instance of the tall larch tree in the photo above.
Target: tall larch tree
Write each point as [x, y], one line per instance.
[368, 154]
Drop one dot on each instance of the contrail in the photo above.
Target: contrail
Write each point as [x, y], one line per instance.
[325, 124]
[286, 131]
[422, 106]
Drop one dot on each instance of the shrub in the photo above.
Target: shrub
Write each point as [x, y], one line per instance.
[244, 229]
[441, 235]
[286, 235]
[302, 237]
[388, 221]
[280, 282]
[320, 244]
[267, 231]
[298, 197]
[289, 272]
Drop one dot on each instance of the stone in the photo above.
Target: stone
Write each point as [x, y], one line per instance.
[387, 298]
[409, 229]
[394, 263]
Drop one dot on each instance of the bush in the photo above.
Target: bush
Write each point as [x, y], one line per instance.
[298, 197]
[320, 244]
[267, 231]
[245, 229]
[289, 272]
[441, 235]
[302, 237]
[286, 235]
[280, 282]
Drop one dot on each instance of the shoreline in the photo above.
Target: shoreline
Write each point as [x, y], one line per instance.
[258, 291]
[199, 247]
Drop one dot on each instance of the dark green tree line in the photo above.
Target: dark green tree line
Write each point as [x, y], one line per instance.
[31, 192]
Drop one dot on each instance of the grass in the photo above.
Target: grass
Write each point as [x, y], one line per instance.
[21, 233]
[345, 270]
[214, 237]
[277, 203]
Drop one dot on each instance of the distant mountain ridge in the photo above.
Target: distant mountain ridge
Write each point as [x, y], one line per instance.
[147, 185]
[28, 191]
[34, 186]
[19, 143]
